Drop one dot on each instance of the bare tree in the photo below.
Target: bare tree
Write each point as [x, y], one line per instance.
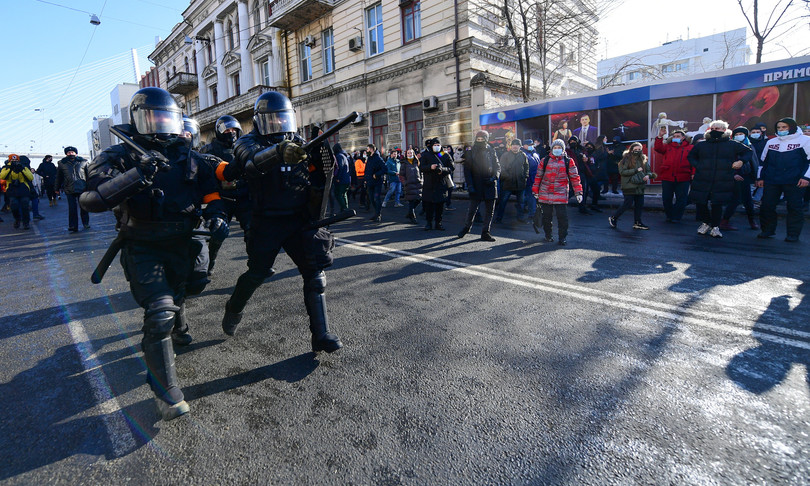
[762, 28]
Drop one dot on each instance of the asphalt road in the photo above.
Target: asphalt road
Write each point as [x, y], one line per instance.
[627, 357]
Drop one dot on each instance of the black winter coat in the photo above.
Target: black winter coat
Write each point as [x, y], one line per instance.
[433, 188]
[71, 175]
[47, 170]
[481, 172]
[714, 177]
[411, 178]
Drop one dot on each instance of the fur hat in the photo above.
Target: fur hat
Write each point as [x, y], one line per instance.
[482, 134]
[681, 131]
[71, 149]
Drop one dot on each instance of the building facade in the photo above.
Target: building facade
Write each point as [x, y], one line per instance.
[414, 68]
[677, 58]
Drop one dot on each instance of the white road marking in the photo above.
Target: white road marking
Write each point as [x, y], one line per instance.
[718, 322]
[113, 417]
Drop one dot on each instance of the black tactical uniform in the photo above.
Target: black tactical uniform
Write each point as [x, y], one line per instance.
[281, 183]
[157, 204]
[235, 194]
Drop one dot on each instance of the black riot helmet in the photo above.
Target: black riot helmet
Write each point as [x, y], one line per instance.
[226, 122]
[273, 114]
[155, 115]
[191, 132]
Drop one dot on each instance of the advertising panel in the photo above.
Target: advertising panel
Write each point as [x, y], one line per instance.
[746, 107]
[501, 133]
[626, 121]
[691, 114]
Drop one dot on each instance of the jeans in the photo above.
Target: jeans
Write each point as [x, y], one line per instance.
[20, 208]
[635, 200]
[771, 194]
[529, 202]
[375, 197]
[74, 211]
[395, 189]
[680, 190]
[504, 199]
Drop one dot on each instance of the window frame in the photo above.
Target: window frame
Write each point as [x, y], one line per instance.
[414, 128]
[379, 131]
[328, 50]
[375, 30]
[305, 62]
[415, 20]
[264, 69]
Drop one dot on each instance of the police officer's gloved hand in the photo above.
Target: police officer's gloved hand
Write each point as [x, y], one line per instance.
[218, 228]
[148, 164]
[292, 153]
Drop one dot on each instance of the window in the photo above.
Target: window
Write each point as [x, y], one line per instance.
[230, 35]
[305, 53]
[174, 70]
[413, 125]
[237, 89]
[328, 51]
[194, 62]
[633, 75]
[257, 17]
[411, 21]
[334, 138]
[379, 128]
[214, 95]
[266, 72]
[562, 55]
[374, 28]
[210, 52]
[185, 63]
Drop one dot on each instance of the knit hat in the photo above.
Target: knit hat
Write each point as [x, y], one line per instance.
[433, 141]
[528, 141]
[559, 142]
[14, 157]
[516, 142]
[483, 134]
[791, 122]
[742, 130]
[760, 126]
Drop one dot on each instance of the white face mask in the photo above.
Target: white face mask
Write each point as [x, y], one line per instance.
[557, 151]
[437, 148]
[739, 137]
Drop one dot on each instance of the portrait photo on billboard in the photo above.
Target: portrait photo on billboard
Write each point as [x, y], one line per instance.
[626, 121]
[500, 133]
[748, 107]
[567, 125]
[691, 114]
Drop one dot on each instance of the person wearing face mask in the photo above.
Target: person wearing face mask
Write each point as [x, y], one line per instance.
[71, 178]
[514, 172]
[435, 165]
[555, 173]
[411, 178]
[481, 172]
[675, 172]
[47, 170]
[743, 179]
[636, 174]
[715, 160]
[784, 170]
[375, 177]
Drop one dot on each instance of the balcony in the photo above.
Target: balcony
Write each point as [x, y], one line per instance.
[182, 83]
[294, 14]
[239, 106]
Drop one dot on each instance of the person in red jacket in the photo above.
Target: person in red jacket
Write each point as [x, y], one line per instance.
[675, 172]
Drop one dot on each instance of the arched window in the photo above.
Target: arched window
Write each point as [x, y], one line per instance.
[194, 61]
[257, 17]
[185, 61]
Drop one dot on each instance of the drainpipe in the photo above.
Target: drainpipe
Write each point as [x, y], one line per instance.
[455, 54]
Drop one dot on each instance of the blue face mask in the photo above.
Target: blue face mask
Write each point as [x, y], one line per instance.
[782, 133]
[676, 140]
[557, 151]
[739, 138]
[755, 136]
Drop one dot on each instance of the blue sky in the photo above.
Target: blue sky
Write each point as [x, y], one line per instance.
[50, 38]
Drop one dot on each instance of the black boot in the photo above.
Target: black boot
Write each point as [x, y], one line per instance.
[487, 237]
[315, 301]
[429, 226]
[412, 217]
[180, 335]
[439, 226]
[230, 320]
[463, 232]
[158, 354]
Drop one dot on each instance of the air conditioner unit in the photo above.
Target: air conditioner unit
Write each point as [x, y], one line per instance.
[430, 103]
[309, 41]
[356, 43]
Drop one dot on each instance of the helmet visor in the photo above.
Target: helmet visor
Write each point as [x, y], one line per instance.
[152, 122]
[276, 122]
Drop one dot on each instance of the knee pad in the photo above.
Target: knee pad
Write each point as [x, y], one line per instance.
[315, 283]
[159, 317]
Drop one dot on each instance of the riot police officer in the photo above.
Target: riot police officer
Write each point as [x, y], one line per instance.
[235, 194]
[282, 192]
[157, 200]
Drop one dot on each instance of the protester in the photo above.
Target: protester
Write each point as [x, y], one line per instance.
[555, 173]
[394, 186]
[614, 178]
[375, 177]
[675, 172]
[71, 178]
[743, 178]
[342, 177]
[514, 172]
[784, 171]
[481, 171]
[19, 180]
[47, 170]
[435, 166]
[534, 157]
[594, 184]
[411, 179]
[36, 189]
[715, 160]
[636, 174]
